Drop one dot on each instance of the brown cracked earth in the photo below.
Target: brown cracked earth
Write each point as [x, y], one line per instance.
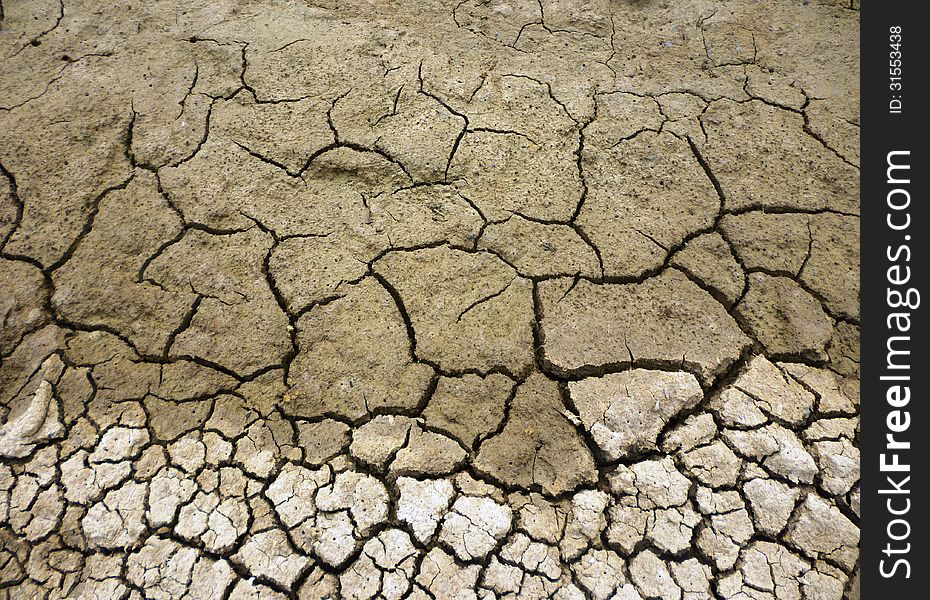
[475, 299]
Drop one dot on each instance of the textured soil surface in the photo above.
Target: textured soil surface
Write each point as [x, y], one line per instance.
[471, 299]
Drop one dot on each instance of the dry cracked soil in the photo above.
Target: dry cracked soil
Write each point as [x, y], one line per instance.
[479, 299]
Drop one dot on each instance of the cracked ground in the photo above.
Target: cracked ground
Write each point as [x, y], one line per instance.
[474, 299]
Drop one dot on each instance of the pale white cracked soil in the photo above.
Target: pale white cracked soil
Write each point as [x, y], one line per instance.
[470, 299]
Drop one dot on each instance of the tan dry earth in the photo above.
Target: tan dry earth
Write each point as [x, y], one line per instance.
[452, 300]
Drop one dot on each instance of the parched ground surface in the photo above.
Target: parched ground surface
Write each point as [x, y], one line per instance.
[476, 299]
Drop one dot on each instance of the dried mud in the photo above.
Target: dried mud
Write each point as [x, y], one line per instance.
[471, 299]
